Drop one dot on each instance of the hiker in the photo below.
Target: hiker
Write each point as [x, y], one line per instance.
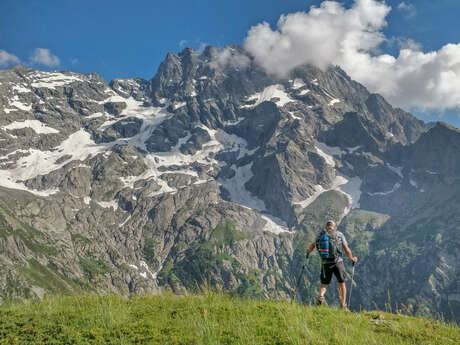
[331, 244]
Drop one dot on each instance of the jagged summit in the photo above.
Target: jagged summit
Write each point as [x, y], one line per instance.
[213, 170]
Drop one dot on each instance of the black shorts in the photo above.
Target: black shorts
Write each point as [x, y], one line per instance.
[327, 268]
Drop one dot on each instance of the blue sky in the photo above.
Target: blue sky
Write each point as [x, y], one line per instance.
[120, 39]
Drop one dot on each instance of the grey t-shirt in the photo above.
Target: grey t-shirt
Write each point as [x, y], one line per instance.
[339, 241]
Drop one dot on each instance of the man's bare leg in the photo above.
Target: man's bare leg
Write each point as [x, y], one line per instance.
[343, 295]
[322, 292]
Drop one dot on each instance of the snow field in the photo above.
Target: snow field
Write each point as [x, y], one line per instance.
[334, 101]
[78, 145]
[297, 84]
[151, 118]
[237, 190]
[350, 187]
[273, 91]
[37, 126]
[303, 92]
[52, 80]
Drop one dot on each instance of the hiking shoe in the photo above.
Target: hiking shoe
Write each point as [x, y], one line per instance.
[320, 300]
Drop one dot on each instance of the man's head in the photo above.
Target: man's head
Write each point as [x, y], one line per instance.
[330, 224]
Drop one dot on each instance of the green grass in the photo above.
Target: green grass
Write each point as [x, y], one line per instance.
[149, 250]
[226, 234]
[44, 277]
[80, 239]
[94, 268]
[29, 236]
[5, 228]
[208, 319]
[47, 278]
[32, 238]
[204, 263]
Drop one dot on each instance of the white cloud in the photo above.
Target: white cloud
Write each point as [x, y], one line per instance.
[7, 59]
[407, 43]
[182, 43]
[318, 36]
[350, 37]
[231, 57]
[45, 57]
[202, 45]
[409, 8]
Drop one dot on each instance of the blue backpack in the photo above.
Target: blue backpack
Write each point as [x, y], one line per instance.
[326, 247]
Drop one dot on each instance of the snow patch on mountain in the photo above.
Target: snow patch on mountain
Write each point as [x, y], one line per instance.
[276, 91]
[353, 149]
[334, 101]
[78, 146]
[17, 104]
[394, 189]
[108, 204]
[8, 181]
[397, 170]
[179, 105]
[145, 270]
[318, 191]
[176, 157]
[20, 89]
[151, 172]
[233, 123]
[297, 84]
[274, 225]
[294, 116]
[93, 116]
[432, 172]
[328, 152]
[151, 118]
[220, 141]
[37, 126]
[52, 80]
[352, 190]
[231, 142]
[351, 187]
[237, 189]
[303, 92]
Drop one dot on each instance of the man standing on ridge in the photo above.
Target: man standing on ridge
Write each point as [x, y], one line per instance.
[331, 244]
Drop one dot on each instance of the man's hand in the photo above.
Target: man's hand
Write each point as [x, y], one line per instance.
[349, 254]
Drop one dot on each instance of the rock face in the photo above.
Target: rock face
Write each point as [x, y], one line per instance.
[219, 174]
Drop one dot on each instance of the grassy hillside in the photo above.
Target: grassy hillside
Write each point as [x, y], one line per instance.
[208, 319]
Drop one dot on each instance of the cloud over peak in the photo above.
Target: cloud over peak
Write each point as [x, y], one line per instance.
[7, 59]
[229, 56]
[332, 34]
[44, 57]
[321, 36]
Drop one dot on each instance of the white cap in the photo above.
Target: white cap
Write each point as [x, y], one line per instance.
[330, 223]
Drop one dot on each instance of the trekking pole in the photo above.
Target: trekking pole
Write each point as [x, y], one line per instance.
[298, 280]
[351, 288]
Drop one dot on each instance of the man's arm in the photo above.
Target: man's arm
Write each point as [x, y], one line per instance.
[350, 254]
[311, 247]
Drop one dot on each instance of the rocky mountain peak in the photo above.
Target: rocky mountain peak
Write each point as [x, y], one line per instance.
[437, 150]
[213, 168]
